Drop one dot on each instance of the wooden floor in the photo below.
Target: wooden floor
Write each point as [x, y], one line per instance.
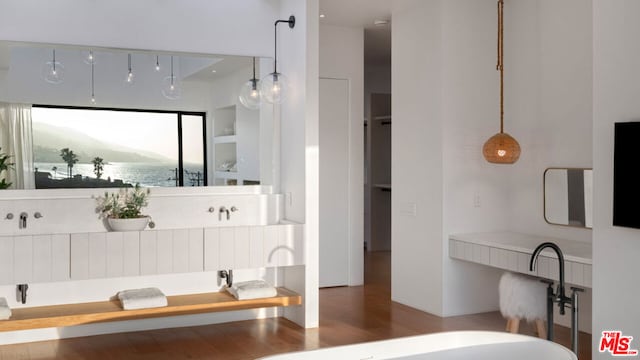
[347, 315]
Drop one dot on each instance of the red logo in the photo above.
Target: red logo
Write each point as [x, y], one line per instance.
[617, 344]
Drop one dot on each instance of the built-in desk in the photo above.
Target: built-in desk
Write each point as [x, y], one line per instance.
[512, 251]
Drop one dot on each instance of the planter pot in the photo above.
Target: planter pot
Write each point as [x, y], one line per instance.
[135, 224]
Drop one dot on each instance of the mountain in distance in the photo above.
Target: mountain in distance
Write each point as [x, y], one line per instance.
[50, 139]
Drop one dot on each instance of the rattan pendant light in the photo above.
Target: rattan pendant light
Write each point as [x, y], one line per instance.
[501, 148]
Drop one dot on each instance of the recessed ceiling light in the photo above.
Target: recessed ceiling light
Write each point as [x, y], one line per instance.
[214, 71]
[322, 16]
[378, 22]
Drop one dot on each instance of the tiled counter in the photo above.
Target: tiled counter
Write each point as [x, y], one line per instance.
[512, 251]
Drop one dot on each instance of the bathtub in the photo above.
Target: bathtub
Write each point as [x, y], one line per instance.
[477, 345]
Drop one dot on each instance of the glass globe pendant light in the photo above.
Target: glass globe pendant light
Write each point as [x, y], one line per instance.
[157, 63]
[170, 86]
[130, 78]
[275, 85]
[249, 93]
[89, 57]
[93, 95]
[501, 148]
[53, 71]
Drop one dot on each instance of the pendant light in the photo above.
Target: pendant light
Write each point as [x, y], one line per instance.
[88, 57]
[501, 148]
[93, 95]
[130, 78]
[249, 92]
[274, 86]
[170, 85]
[53, 71]
[157, 63]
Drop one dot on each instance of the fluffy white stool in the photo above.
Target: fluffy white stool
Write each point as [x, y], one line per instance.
[523, 297]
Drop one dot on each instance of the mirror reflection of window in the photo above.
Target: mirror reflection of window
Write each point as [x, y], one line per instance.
[568, 196]
[100, 148]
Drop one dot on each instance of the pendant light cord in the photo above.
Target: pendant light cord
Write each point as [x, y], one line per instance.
[500, 64]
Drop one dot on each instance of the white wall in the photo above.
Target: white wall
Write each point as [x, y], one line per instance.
[341, 57]
[298, 58]
[616, 85]
[189, 26]
[417, 155]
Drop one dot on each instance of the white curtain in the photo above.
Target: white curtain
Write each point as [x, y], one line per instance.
[16, 141]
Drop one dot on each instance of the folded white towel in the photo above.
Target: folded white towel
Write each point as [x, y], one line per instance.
[5, 311]
[253, 289]
[142, 298]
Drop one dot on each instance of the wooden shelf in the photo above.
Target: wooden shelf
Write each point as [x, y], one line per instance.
[105, 311]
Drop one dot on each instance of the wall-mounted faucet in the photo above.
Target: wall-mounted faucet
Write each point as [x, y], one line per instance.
[21, 289]
[559, 296]
[223, 210]
[23, 220]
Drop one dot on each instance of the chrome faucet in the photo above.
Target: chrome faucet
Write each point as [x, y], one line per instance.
[559, 296]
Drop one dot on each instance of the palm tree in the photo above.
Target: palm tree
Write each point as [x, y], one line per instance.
[98, 166]
[70, 158]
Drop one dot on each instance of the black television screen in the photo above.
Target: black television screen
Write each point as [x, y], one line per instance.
[626, 165]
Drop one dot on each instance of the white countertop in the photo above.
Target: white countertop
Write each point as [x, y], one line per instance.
[572, 250]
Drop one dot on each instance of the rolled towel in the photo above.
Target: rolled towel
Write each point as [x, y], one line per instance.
[253, 289]
[142, 298]
[5, 311]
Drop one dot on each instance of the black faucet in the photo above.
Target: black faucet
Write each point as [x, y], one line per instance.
[560, 296]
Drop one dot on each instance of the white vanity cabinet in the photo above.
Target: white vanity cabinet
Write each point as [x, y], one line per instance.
[512, 252]
[244, 247]
[82, 256]
[34, 258]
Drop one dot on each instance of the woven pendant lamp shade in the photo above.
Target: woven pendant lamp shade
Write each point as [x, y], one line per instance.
[501, 148]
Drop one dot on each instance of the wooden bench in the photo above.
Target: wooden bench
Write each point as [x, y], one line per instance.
[104, 311]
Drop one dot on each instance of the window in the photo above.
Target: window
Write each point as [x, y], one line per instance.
[95, 147]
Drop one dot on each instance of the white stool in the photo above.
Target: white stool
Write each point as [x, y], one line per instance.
[523, 297]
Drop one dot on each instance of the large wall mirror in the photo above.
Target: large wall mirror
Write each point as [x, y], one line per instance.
[568, 196]
[73, 117]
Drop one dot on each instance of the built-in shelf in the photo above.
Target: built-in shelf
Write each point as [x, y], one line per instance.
[225, 139]
[105, 311]
[226, 174]
[382, 186]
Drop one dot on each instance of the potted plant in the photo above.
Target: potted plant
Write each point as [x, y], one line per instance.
[5, 166]
[123, 210]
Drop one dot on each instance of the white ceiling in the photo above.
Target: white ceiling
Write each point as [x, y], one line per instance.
[362, 14]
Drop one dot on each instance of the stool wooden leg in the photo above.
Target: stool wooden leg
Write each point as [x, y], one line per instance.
[508, 324]
[542, 330]
[514, 325]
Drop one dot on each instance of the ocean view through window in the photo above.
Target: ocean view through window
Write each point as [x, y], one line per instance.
[98, 148]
